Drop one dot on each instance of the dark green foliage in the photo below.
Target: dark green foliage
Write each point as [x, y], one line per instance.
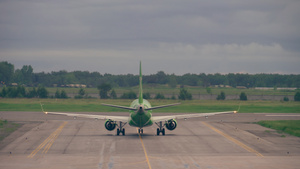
[221, 96]
[6, 72]
[81, 94]
[243, 96]
[18, 92]
[147, 95]
[184, 94]
[57, 94]
[172, 81]
[63, 94]
[129, 95]
[159, 96]
[32, 93]
[208, 90]
[42, 92]
[103, 90]
[27, 77]
[3, 92]
[113, 94]
[24, 76]
[297, 96]
[286, 99]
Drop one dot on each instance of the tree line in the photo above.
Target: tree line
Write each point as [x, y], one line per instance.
[26, 76]
[105, 92]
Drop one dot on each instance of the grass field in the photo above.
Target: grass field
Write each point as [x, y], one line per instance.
[193, 106]
[291, 127]
[7, 127]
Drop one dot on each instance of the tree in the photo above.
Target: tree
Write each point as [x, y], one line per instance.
[221, 96]
[208, 90]
[147, 95]
[104, 88]
[243, 96]
[113, 94]
[63, 94]
[159, 96]
[297, 96]
[129, 95]
[21, 91]
[32, 93]
[57, 94]
[172, 81]
[6, 72]
[81, 92]
[184, 94]
[42, 92]
[3, 92]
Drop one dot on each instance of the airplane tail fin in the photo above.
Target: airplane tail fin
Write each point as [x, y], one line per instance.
[140, 86]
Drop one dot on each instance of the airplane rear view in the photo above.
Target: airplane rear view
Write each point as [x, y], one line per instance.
[140, 115]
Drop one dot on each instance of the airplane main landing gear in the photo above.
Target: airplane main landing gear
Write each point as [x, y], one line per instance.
[120, 128]
[141, 131]
[161, 128]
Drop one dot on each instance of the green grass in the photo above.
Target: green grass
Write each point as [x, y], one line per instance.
[291, 127]
[7, 127]
[193, 106]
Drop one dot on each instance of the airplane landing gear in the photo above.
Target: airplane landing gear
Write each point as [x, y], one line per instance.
[161, 128]
[141, 131]
[121, 129]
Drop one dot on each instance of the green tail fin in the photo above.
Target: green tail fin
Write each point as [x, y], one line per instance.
[141, 87]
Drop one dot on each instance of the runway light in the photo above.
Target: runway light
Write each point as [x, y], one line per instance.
[46, 112]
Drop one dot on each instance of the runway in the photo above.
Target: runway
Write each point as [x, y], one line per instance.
[221, 141]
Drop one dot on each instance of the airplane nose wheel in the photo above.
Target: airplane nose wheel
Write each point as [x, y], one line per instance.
[161, 128]
[141, 131]
[121, 129]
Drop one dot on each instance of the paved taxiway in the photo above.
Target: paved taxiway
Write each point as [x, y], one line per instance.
[221, 141]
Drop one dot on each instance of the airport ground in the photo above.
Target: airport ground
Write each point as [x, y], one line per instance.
[221, 141]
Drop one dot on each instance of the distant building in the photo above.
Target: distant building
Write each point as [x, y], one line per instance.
[76, 85]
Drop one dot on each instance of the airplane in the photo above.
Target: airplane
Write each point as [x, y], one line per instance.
[140, 115]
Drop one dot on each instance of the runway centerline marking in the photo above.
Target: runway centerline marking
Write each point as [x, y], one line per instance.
[234, 140]
[145, 152]
[48, 142]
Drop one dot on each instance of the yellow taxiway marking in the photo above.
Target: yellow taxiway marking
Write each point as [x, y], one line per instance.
[146, 155]
[234, 140]
[48, 142]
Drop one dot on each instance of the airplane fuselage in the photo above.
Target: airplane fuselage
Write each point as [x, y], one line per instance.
[140, 118]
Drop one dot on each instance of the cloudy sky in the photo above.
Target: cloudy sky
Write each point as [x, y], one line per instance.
[175, 36]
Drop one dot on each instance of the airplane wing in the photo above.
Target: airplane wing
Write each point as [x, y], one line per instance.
[187, 116]
[91, 116]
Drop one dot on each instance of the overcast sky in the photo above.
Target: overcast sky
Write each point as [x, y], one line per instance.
[174, 36]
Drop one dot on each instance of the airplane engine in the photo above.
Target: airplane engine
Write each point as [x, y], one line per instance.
[110, 125]
[171, 124]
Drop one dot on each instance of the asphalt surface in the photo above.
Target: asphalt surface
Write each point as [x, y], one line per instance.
[220, 141]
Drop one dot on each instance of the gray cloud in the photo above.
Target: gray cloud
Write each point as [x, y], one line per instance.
[173, 36]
